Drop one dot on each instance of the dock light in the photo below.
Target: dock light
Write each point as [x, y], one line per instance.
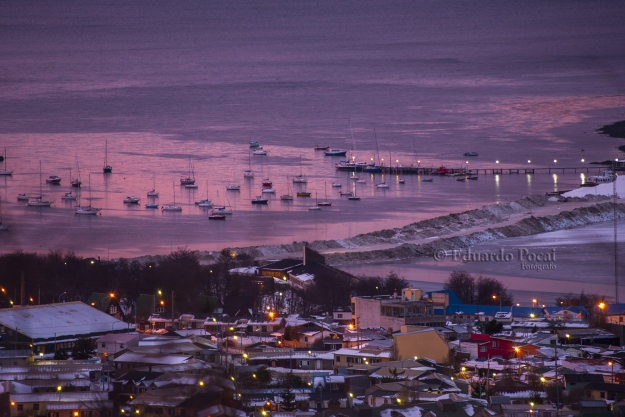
[555, 161]
[582, 159]
[529, 161]
[497, 161]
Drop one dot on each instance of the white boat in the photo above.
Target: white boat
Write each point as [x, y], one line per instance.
[354, 177]
[260, 151]
[337, 185]
[361, 182]
[316, 207]
[172, 207]
[605, 177]
[203, 201]
[107, 168]
[233, 187]
[254, 144]
[3, 228]
[38, 201]
[87, 210]
[153, 192]
[68, 196]
[248, 172]
[222, 210]
[132, 200]
[401, 181]
[4, 171]
[382, 185]
[268, 191]
[206, 204]
[300, 179]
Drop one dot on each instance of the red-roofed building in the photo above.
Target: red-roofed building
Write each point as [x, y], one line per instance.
[490, 346]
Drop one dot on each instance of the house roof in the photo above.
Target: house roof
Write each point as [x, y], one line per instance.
[51, 321]
[574, 378]
[282, 265]
[155, 358]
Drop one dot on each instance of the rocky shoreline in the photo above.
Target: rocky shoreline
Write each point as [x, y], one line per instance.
[453, 231]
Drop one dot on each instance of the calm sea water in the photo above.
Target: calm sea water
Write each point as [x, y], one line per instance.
[169, 84]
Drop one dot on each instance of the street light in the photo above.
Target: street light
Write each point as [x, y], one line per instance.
[611, 363]
[494, 298]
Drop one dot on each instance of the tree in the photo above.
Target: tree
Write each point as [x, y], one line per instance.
[263, 375]
[486, 288]
[83, 348]
[293, 381]
[463, 285]
[60, 355]
[393, 283]
[288, 399]
[491, 327]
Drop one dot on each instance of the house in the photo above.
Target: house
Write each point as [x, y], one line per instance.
[345, 357]
[575, 380]
[279, 269]
[48, 327]
[604, 391]
[536, 410]
[112, 343]
[392, 313]
[61, 404]
[423, 343]
[490, 346]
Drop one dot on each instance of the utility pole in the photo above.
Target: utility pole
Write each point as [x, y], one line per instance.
[23, 290]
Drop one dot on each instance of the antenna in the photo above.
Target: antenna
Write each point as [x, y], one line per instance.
[614, 197]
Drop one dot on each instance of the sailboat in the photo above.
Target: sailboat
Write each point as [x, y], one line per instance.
[188, 180]
[325, 202]
[287, 196]
[300, 179]
[205, 203]
[75, 182]
[222, 211]
[248, 172]
[39, 201]
[5, 171]
[353, 197]
[3, 228]
[87, 210]
[173, 207]
[153, 192]
[316, 206]
[107, 168]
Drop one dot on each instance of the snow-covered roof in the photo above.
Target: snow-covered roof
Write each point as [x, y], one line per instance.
[363, 353]
[57, 320]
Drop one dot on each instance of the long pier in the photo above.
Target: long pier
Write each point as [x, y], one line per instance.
[412, 170]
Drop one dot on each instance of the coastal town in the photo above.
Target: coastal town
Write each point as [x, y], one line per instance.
[397, 351]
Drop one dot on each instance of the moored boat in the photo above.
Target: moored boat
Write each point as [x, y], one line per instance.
[68, 196]
[335, 152]
[53, 179]
[132, 200]
[303, 194]
[233, 187]
[259, 200]
[217, 217]
[254, 144]
[151, 206]
[321, 148]
[472, 153]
